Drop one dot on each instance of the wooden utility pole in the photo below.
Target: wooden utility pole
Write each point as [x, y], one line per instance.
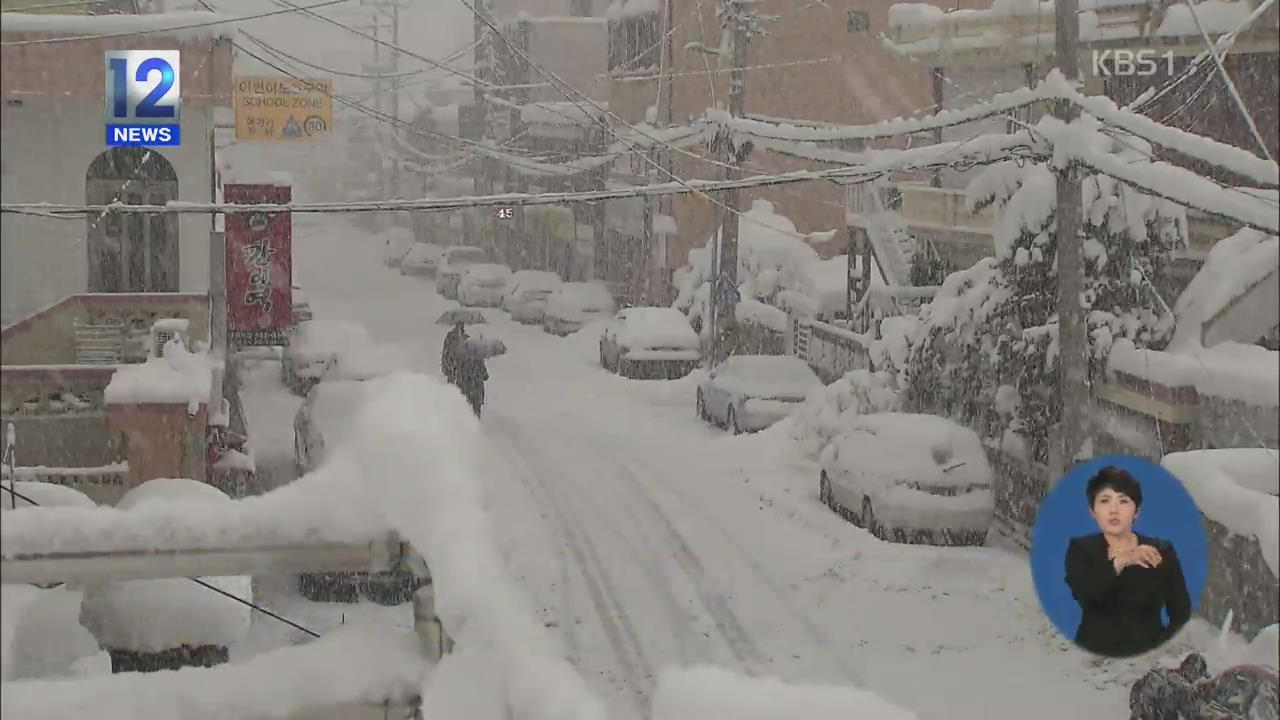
[1072, 334]
[484, 70]
[738, 21]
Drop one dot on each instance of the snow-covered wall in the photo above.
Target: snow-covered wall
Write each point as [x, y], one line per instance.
[49, 143]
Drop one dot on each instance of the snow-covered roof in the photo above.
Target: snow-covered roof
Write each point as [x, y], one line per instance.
[1231, 371]
[1233, 267]
[179, 376]
[486, 271]
[1237, 488]
[185, 25]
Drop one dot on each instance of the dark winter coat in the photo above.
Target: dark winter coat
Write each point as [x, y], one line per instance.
[472, 375]
[449, 355]
[1121, 612]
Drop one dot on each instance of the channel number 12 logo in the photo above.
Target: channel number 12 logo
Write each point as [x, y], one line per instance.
[143, 98]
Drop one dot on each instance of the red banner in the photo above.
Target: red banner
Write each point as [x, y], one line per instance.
[259, 267]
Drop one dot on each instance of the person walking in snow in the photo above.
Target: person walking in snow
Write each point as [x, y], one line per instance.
[472, 374]
[449, 355]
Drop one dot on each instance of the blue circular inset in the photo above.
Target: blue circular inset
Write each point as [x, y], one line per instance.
[1167, 513]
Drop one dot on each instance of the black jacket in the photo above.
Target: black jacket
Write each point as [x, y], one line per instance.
[1121, 612]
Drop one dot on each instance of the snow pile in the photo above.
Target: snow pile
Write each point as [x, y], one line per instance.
[656, 328]
[425, 469]
[772, 259]
[43, 494]
[1237, 488]
[753, 311]
[892, 350]
[1234, 265]
[355, 663]
[828, 413]
[1231, 371]
[47, 639]
[179, 376]
[346, 348]
[155, 615]
[704, 692]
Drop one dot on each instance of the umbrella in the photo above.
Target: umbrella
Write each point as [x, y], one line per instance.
[483, 348]
[464, 316]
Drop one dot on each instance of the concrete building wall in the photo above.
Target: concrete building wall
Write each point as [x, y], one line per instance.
[49, 143]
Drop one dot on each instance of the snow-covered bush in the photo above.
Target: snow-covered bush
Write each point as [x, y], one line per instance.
[827, 412]
[996, 323]
[772, 258]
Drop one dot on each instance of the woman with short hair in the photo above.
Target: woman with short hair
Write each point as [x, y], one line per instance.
[1121, 579]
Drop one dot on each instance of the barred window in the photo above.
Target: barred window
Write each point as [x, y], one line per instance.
[634, 42]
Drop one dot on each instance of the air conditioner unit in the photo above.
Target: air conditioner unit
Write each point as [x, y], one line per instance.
[167, 329]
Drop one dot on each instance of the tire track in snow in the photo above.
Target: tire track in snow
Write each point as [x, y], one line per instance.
[815, 633]
[615, 623]
[726, 622]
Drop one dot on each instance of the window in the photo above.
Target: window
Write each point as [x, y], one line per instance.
[634, 42]
[859, 22]
[131, 252]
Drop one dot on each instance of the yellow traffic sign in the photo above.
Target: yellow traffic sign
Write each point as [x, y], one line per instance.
[282, 108]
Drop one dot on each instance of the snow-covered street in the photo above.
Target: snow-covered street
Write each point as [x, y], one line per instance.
[649, 539]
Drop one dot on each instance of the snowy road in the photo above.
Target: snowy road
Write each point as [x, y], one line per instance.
[648, 539]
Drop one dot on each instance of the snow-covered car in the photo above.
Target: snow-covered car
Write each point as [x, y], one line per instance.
[483, 285]
[421, 259]
[453, 262]
[649, 342]
[751, 392]
[909, 478]
[395, 243]
[466, 316]
[334, 349]
[573, 305]
[301, 305]
[527, 292]
[319, 427]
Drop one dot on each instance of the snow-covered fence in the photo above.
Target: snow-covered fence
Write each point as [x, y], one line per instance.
[104, 484]
[831, 351]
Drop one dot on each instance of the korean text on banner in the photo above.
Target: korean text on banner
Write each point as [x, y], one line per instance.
[286, 109]
[259, 265]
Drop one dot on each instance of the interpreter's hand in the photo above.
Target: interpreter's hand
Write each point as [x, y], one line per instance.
[1147, 556]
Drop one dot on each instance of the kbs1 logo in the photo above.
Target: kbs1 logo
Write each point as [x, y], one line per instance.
[143, 98]
[1123, 63]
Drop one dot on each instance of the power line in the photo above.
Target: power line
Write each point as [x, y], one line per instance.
[199, 582]
[390, 46]
[27, 8]
[151, 31]
[321, 68]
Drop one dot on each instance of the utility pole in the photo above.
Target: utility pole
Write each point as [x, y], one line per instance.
[738, 19]
[1072, 337]
[484, 71]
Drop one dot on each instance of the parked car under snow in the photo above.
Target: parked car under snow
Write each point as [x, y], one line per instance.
[453, 262]
[483, 285]
[527, 293]
[650, 342]
[751, 392]
[573, 305]
[909, 478]
[319, 427]
[334, 349]
[421, 260]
